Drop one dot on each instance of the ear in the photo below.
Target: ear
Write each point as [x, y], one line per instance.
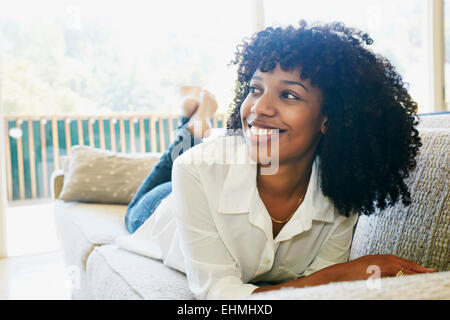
[324, 125]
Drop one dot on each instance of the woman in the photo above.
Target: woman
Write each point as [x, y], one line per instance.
[335, 124]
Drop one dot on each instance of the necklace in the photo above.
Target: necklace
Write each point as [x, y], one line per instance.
[290, 216]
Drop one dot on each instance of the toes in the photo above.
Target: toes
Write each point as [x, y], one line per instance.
[205, 102]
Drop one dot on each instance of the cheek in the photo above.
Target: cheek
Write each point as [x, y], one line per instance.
[244, 113]
[245, 109]
[304, 132]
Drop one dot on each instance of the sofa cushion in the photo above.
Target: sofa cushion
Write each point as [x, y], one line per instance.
[97, 223]
[102, 176]
[432, 286]
[420, 231]
[117, 274]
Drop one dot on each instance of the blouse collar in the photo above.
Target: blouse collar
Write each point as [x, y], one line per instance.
[240, 195]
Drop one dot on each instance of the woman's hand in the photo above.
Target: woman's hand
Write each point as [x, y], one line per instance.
[386, 265]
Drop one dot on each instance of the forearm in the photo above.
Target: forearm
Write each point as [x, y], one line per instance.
[326, 275]
[388, 266]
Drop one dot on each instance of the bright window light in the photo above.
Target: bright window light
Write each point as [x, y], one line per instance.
[396, 26]
[100, 56]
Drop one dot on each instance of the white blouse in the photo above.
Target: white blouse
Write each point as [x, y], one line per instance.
[215, 228]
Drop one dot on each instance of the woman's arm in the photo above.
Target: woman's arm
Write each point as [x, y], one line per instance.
[323, 276]
[358, 269]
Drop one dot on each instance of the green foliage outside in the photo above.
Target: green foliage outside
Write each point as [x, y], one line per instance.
[92, 62]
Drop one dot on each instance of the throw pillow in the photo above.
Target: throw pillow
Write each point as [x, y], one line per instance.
[101, 176]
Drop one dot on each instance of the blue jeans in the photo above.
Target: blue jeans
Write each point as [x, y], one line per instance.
[158, 184]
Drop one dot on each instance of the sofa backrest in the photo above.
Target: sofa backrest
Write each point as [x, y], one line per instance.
[439, 120]
[420, 231]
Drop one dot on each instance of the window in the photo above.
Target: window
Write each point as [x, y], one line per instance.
[100, 56]
[397, 28]
[67, 62]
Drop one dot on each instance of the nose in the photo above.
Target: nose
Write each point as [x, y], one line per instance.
[264, 106]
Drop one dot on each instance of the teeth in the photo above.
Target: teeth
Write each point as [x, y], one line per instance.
[261, 131]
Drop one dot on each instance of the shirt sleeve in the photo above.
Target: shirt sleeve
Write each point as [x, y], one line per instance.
[336, 248]
[211, 271]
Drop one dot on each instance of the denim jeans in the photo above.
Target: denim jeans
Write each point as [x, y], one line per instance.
[158, 184]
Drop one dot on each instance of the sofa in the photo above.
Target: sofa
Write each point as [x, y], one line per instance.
[89, 218]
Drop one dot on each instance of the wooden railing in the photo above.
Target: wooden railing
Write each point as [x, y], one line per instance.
[35, 143]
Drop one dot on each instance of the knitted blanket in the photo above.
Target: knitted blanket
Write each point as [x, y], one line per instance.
[426, 286]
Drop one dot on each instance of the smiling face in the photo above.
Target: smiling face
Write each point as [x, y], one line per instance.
[280, 100]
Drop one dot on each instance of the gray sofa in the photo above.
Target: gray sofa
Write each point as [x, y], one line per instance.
[420, 232]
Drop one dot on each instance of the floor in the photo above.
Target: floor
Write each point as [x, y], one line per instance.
[31, 228]
[34, 277]
[34, 268]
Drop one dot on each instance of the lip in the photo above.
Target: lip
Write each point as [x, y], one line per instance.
[264, 125]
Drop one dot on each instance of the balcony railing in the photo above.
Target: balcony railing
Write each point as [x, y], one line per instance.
[35, 143]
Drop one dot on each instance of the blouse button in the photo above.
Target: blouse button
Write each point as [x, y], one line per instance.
[267, 261]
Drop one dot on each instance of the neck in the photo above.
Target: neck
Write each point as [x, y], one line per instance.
[291, 179]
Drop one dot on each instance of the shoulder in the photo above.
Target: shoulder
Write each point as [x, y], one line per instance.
[343, 223]
[219, 164]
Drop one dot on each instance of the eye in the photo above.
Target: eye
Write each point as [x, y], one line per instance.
[289, 95]
[254, 90]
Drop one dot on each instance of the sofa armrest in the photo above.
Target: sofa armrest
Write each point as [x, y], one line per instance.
[56, 183]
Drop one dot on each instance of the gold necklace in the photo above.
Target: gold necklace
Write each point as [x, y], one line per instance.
[284, 221]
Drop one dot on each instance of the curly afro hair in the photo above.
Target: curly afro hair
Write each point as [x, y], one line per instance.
[371, 140]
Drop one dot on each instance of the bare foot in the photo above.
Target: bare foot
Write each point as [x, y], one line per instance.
[200, 124]
[190, 96]
[188, 106]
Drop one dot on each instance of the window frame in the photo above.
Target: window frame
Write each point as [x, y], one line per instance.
[436, 58]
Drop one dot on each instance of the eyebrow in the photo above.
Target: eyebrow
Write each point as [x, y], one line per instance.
[286, 82]
[295, 82]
